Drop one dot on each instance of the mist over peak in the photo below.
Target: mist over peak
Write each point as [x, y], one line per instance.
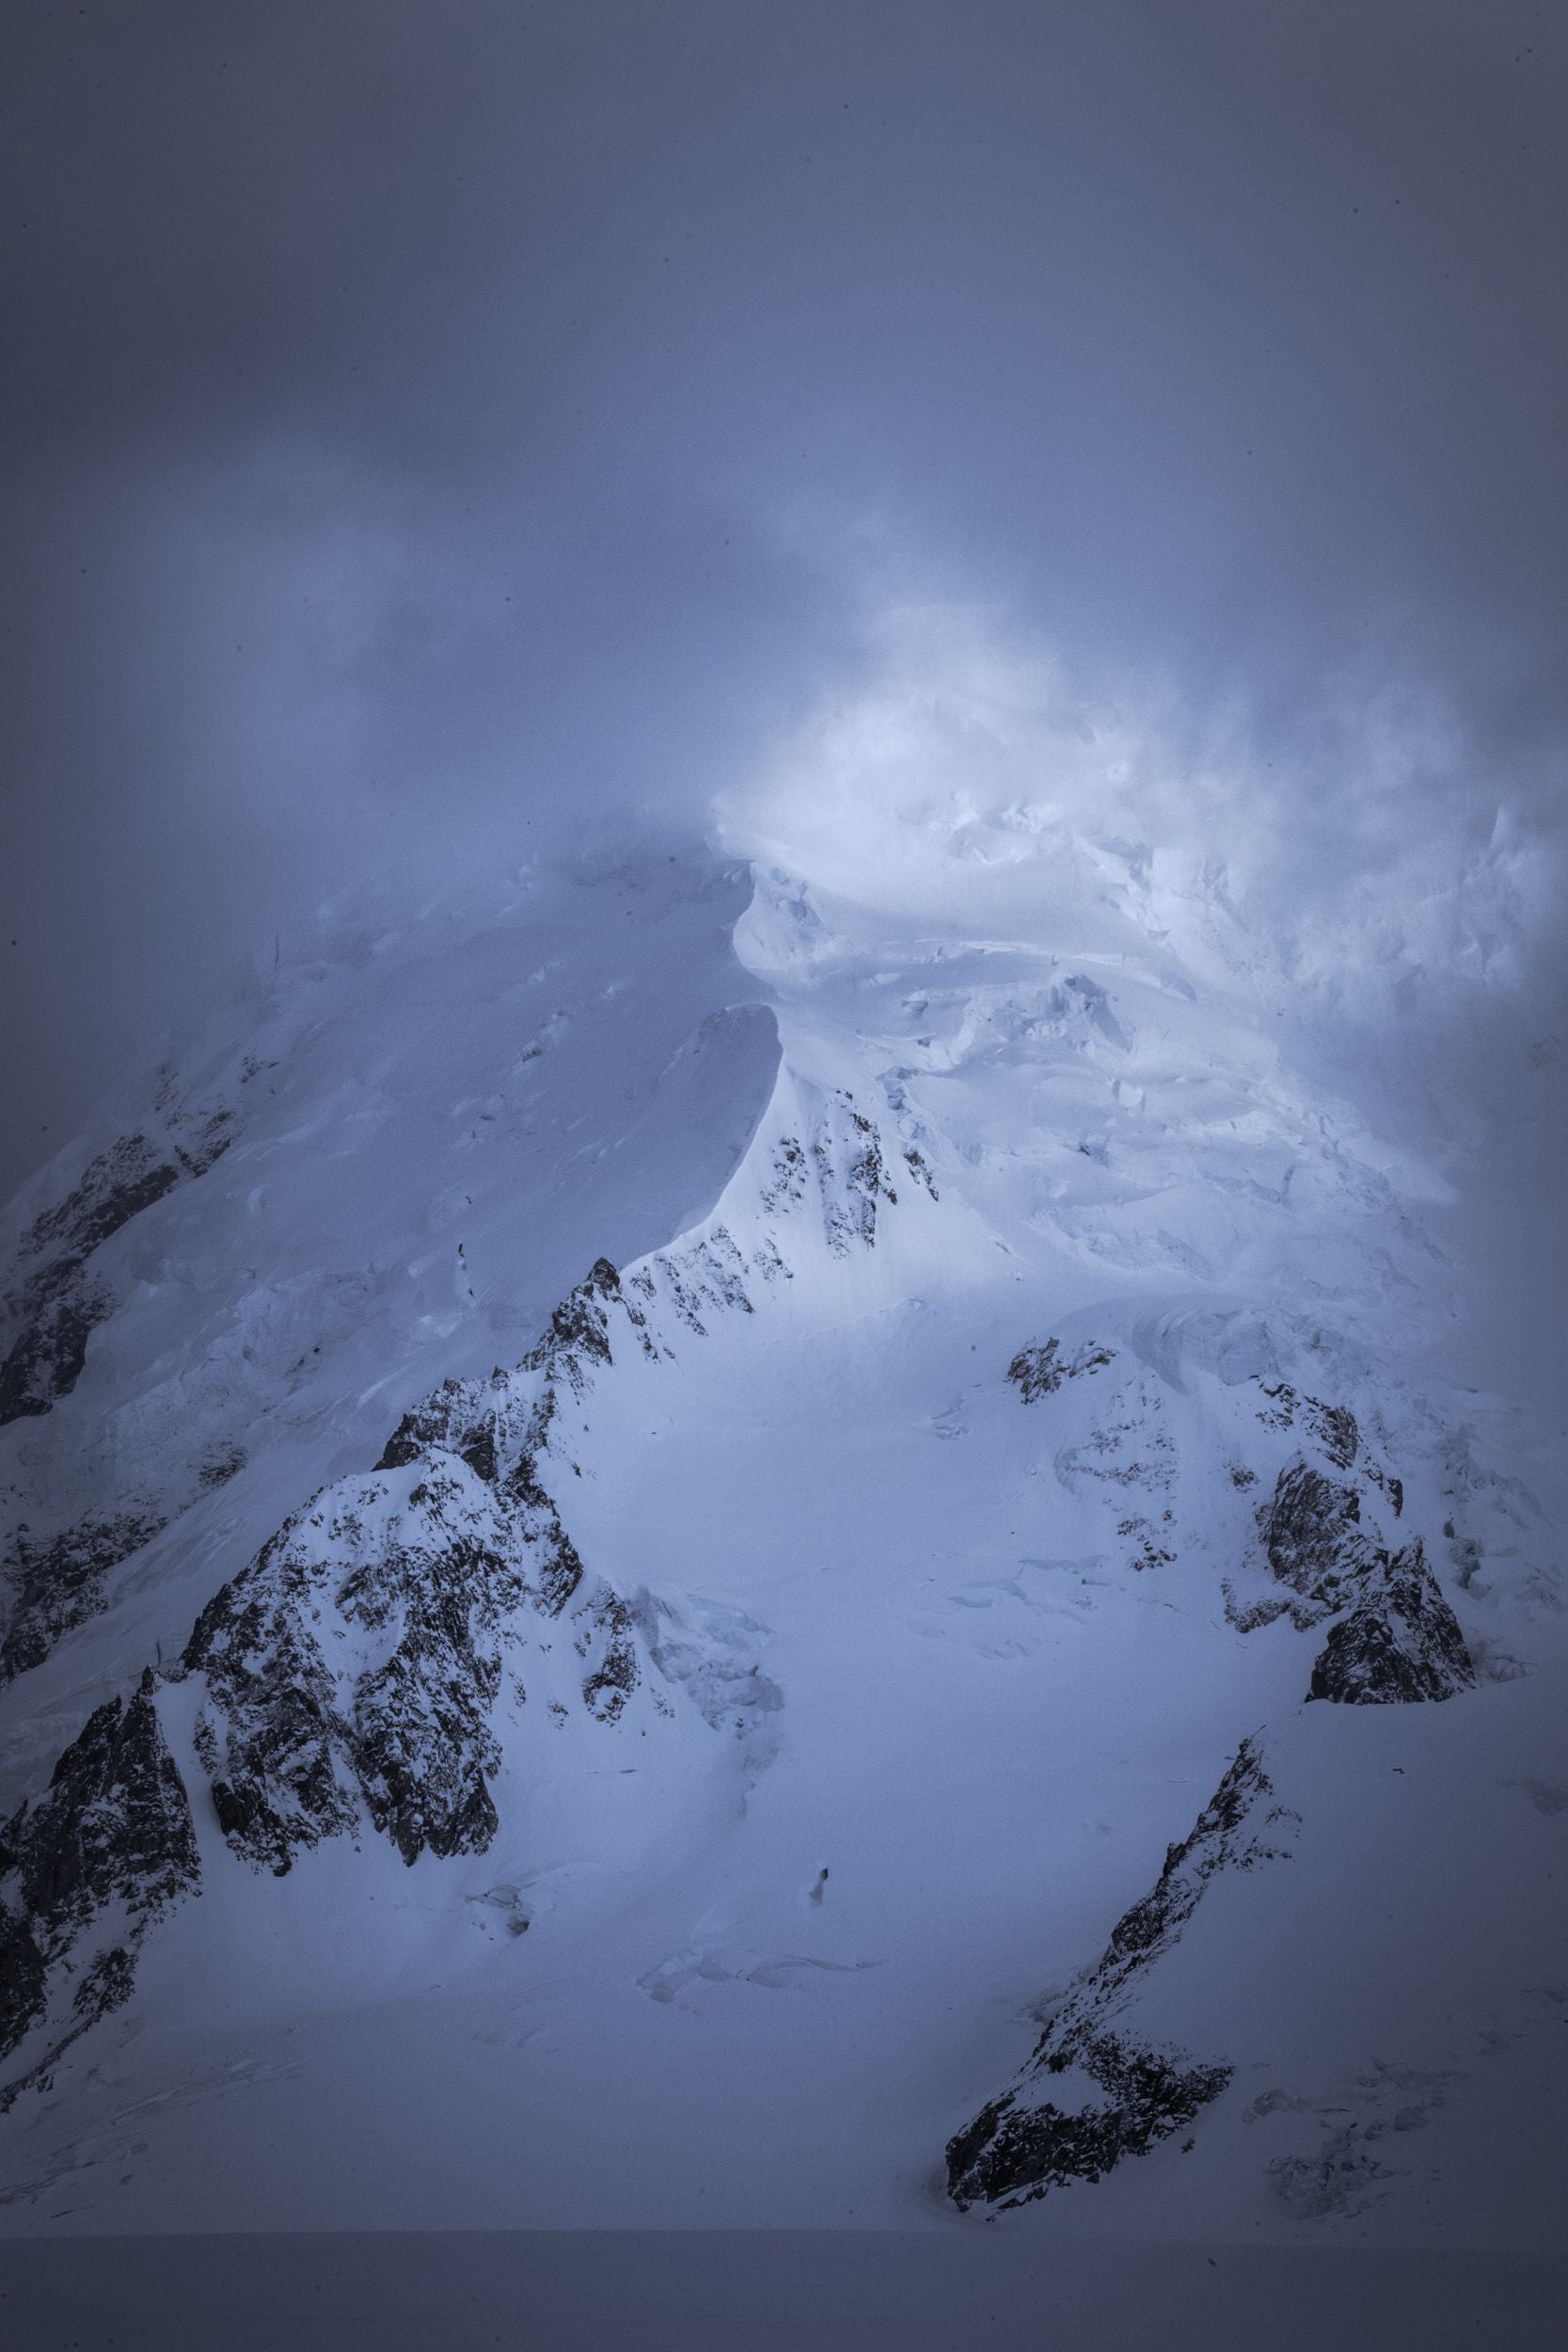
[971, 776]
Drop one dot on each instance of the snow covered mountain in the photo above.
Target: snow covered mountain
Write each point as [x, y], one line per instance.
[684, 1552]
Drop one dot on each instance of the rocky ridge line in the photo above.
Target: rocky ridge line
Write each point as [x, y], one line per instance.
[1020, 2145]
[352, 1669]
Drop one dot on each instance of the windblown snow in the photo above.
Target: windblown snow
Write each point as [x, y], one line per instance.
[682, 1553]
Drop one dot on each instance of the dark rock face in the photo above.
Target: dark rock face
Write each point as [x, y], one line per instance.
[1397, 1639]
[46, 1358]
[23, 1980]
[1332, 1427]
[1312, 1533]
[62, 1581]
[919, 1168]
[351, 1672]
[614, 1676]
[114, 1823]
[57, 1304]
[1401, 1643]
[1218, 1840]
[498, 1426]
[578, 1332]
[117, 1186]
[352, 1668]
[297, 1734]
[274, 1779]
[1037, 1372]
[1337, 1432]
[110, 1844]
[60, 1585]
[1010, 2155]
[1020, 2145]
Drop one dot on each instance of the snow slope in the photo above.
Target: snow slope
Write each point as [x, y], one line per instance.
[673, 1536]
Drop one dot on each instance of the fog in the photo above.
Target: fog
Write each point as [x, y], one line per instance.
[427, 426]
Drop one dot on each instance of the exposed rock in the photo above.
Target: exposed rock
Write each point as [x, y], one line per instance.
[787, 1185]
[114, 1822]
[708, 1277]
[110, 1842]
[107, 1984]
[845, 1153]
[1332, 1427]
[611, 1681]
[460, 1416]
[350, 1673]
[115, 1187]
[1130, 1446]
[352, 1668]
[47, 1356]
[1219, 1839]
[1011, 2154]
[23, 1979]
[577, 1336]
[1037, 1372]
[919, 1168]
[56, 1305]
[1147, 1550]
[303, 1732]
[1020, 2145]
[498, 1426]
[1311, 1531]
[851, 1173]
[60, 1585]
[1400, 1642]
[224, 1462]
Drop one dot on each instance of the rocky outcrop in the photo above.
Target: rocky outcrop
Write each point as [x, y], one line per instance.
[1012, 2153]
[84, 1871]
[709, 1279]
[1312, 1536]
[1332, 1427]
[57, 1303]
[1400, 1642]
[1020, 2145]
[114, 1823]
[61, 1311]
[59, 1583]
[351, 1670]
[499, 1425]
[844, 1160]
[1396, 1639]
[351, 1675]
[1040, 1371]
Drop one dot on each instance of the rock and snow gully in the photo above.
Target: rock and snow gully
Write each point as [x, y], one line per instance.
[620, 1560]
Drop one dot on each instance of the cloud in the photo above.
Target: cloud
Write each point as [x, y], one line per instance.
[1368, 850]
[423, 428]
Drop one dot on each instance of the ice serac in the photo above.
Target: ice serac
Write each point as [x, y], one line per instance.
[647, 1522]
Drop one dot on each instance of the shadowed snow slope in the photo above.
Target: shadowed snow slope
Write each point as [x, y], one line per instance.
[682, 1553]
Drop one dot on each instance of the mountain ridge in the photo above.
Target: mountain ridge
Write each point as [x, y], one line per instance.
[925, 1138]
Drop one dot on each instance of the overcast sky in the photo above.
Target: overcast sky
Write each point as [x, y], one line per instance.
[426, 419]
